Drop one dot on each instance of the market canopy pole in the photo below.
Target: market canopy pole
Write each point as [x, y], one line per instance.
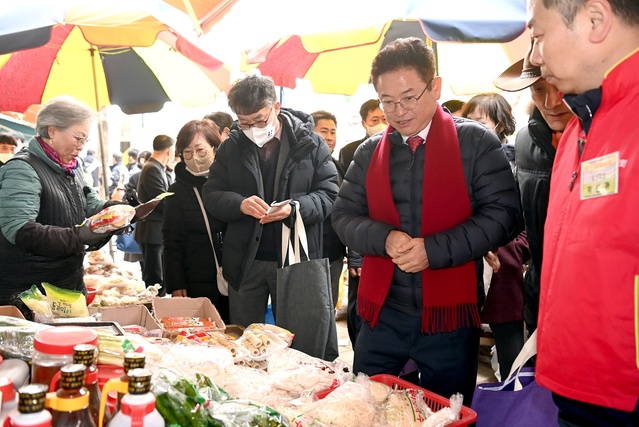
[196, 23]
[102, 145]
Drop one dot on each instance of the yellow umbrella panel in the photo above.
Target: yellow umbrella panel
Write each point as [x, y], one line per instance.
[138, 79]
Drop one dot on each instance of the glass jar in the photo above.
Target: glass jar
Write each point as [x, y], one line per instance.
[53, 348]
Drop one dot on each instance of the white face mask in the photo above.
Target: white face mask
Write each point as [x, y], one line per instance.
[4, 157]
[260, 136]
[372, 130]
[198, 165]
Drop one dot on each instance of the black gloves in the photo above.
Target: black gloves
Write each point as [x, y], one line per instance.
[93, 241]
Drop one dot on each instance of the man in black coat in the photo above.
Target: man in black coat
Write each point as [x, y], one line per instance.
[154, 180]
[271, 156]
[373, 121]
[535, 148]
[423, 202]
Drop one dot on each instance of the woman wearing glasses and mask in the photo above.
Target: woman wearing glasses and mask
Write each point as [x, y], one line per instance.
[43, 199]
[188, 253]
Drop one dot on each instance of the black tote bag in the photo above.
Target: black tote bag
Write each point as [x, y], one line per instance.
[304, 302]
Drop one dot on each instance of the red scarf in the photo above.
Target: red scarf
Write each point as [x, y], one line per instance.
[449, 294]
[69, 168]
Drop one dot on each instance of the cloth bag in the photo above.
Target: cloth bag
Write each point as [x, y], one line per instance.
[518, 401]
[304, 302]
[222, 283]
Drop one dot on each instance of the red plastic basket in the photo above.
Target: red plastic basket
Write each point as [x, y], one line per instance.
[433, 400]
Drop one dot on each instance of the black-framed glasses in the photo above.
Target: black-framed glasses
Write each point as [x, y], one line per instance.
[200, 152]
[258, 124]
[407, 102]
[80, 139]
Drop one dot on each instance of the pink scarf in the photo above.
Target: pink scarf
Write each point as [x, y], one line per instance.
[69, 168]
[449, 294]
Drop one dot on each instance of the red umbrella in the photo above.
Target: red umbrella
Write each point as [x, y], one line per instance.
[137, 55]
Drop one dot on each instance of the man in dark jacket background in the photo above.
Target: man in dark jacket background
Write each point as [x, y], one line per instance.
[373, 121]
[535, 148]
[334, 249]
[423, 203]
[271, 156]
[154, 180]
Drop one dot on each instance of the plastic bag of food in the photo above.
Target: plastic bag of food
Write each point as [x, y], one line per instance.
[244, 413]
[179, 401]
[286, 335]
[16, 337]
[65, 302]
[350, 404]
[112, 218]
[38, 303]
[261, 343]
[446, 415]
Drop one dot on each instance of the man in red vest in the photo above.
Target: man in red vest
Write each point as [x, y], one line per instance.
[588, 332]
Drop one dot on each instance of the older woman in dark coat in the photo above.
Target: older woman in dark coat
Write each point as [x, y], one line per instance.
[43, 199]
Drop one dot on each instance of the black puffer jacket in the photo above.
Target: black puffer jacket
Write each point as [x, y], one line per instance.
[306, 174]
[188, 257]
[493, 197]
[535, 156]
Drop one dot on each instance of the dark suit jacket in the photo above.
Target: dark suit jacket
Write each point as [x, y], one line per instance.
[347, 153]
[154, 180]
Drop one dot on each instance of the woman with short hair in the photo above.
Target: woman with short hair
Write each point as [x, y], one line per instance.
[189, 266]
[43, 199]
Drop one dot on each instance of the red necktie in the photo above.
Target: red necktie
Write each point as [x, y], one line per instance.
[414, 142]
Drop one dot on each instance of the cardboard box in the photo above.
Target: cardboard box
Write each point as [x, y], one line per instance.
[11, 311]
[129, 315]
[187, 307]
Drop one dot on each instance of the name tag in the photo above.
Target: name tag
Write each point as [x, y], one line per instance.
[600, 176]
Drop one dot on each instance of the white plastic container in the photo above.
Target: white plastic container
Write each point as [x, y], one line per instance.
[31, 408]
[138, 404]
[8, 398]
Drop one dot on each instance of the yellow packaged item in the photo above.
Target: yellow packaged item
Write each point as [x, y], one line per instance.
[65, 302]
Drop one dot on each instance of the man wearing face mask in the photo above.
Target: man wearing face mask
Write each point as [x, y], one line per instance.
[271, 156]
[373, 121]
[188, 251]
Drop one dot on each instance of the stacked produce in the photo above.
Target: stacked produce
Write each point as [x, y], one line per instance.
[114, 287]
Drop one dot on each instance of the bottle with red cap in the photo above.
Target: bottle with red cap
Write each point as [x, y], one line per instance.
[138, 406]
[70, 404]
[31, 411]
[9, 398]
[85, 354]
[120, 385]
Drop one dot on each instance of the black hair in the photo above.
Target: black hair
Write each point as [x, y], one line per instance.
[323, 115]
[251, 94]
[410, 52]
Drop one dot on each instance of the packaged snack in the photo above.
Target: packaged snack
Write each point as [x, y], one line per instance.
[65, 302]
[190, 324]
[112, 218]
